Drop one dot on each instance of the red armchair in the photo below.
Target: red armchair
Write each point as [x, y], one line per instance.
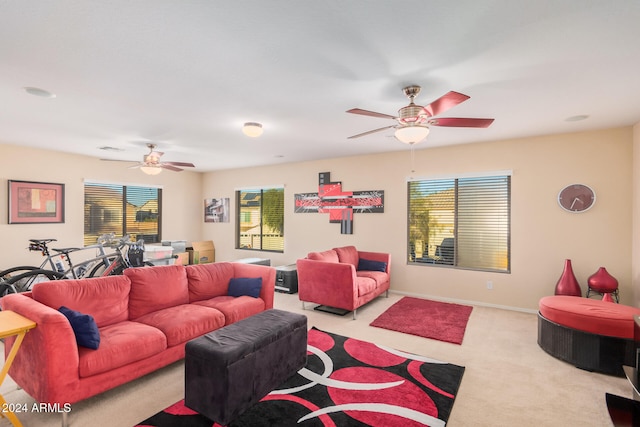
[343, 277]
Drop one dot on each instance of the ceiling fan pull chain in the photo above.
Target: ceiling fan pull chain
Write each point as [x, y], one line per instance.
[413, 158]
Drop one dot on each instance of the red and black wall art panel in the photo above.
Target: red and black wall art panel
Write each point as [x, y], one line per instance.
[339, 204]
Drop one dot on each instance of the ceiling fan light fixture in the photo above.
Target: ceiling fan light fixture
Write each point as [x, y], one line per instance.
[411, 134]
[151, 169]
[252, 129]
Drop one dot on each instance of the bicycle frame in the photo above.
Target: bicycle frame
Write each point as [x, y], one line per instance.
[74, 271]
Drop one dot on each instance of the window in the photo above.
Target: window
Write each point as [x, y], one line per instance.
[122, 209]
[461, 222]
[260, 222]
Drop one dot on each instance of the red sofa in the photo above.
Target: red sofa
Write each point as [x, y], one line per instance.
[343, 277]
[144, 318]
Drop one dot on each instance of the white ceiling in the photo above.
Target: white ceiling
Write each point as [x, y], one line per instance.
[187, 74]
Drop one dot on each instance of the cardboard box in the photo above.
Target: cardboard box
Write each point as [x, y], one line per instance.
[182, 258]
[202, 252]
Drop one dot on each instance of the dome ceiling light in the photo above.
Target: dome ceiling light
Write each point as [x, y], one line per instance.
[252, 129]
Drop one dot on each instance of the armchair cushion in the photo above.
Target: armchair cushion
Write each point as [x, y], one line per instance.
[370, 265]
[327, 256]
[348, 255]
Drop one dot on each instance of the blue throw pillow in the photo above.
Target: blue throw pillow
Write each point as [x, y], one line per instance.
[370, 265]
[84, 327]
[245, 286]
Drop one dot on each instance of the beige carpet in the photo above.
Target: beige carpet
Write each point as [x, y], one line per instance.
[508, 381]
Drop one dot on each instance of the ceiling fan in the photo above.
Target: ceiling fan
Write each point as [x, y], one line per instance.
[415, 120]
[152, 165]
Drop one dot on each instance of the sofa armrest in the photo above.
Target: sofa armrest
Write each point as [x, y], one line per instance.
[377, 256]
[268, 275]
[47, 363]
[327, 283]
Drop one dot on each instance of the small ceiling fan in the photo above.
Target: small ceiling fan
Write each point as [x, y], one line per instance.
[152, 165]
[415, 120]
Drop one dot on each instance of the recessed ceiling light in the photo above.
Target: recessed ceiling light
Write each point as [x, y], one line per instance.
[36, 91]
[576, 118]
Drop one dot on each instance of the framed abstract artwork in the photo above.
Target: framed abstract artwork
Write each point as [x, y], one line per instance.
[216, 210]
[35, 202]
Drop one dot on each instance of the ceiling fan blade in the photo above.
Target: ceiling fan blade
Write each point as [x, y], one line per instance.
[461, 122]
[370, 132]
[181, 164]
[116, 160]
[370, 113]
[169, 167]
[443, 103]
[135, 166]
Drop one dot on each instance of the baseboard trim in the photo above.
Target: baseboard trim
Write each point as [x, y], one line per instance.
[467, 302]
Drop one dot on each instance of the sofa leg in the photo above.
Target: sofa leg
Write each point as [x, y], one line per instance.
[386, 294]
[65, 419]
[303, 305]
[354, 313]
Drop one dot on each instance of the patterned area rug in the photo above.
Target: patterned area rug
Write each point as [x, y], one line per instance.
[425, 318]
[346, 383]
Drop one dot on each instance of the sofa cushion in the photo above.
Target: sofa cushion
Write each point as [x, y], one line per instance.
[365, 285]
[153, 289]
[245, 286]
[208, 280]
[120, 344]
[84, 328]
[184, 322]
[234, 308]
[326, 256]
[106, 299]
[589, 315]
[377, 276]
[348, 255]
[370, 265]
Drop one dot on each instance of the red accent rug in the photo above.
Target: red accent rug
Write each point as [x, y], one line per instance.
[425, 318]
[346, 383]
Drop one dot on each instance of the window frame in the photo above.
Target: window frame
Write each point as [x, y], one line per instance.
[240, 213]
[121, 212]
[506, 245]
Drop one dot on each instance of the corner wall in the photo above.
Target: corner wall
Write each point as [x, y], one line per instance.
[542, 234]
[182, 203]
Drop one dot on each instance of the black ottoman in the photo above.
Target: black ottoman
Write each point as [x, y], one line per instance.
[230, 369]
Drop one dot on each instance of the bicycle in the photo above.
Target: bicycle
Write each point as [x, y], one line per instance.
[54, 262]
[22, 278]
[115, 264]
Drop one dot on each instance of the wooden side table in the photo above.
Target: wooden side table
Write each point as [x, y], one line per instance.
[12, 324]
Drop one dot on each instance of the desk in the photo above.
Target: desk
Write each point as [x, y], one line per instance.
[12, 324]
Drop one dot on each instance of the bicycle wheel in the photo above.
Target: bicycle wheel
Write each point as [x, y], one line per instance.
[101, 268]
[25, 281]
[14, 271]
[6, 288]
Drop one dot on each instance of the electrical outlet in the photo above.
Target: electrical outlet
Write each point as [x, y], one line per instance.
[489, 284]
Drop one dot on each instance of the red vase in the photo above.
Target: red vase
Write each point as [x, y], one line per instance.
[603, 282]
[567, 283]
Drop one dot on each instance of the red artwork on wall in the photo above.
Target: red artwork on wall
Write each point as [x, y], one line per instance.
[339, 204]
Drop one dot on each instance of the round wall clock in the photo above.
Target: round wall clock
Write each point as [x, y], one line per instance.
[576, 198]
